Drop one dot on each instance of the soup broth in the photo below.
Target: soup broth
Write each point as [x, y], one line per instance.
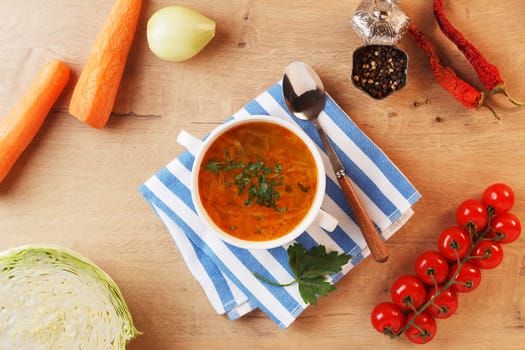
[257, 181]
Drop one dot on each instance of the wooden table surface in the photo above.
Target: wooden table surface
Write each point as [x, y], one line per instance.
[77, 186]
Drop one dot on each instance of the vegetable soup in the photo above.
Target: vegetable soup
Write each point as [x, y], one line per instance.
[257, 181]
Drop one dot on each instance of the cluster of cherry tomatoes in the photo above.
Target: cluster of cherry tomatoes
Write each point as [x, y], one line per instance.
[455, 267]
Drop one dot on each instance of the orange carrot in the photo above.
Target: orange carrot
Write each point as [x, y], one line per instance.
[95, 92]
[22, 123]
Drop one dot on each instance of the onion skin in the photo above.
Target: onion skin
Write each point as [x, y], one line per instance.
[177, 33]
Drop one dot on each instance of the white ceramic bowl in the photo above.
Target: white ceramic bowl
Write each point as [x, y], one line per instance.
[314, 215]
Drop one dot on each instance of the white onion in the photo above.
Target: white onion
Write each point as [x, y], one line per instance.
[177, 33]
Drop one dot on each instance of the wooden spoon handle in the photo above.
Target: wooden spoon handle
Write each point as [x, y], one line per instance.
[372, 237]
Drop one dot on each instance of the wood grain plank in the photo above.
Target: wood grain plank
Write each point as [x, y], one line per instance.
[77, 186]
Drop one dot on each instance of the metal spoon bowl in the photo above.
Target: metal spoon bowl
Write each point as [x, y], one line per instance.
[305, 97]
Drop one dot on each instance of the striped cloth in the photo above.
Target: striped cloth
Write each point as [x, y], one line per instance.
[225, 272]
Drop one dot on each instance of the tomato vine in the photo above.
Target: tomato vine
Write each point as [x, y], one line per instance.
[464, 251]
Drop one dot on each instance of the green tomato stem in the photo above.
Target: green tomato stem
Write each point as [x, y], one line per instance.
[435, 282]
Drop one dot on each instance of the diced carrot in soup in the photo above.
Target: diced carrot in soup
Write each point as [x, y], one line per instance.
[257, 181]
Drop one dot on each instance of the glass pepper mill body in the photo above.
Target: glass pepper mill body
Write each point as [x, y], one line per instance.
[379, 67]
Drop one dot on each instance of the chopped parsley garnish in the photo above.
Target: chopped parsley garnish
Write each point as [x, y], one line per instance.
[258, 181]
[302, 187]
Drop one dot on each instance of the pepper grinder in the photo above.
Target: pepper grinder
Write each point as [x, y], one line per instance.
[379, 67]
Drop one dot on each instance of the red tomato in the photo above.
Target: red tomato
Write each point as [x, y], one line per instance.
[472, 213]
[453, 243]
[387, 318]
[505, 227]
[499, 196]
[408, 292]
[444, 305]
[431, 268]
[467, 279]
[487, 254]
[424, 328]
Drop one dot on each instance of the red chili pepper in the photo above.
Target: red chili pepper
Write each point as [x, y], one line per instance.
[487, 72]
[462, 91]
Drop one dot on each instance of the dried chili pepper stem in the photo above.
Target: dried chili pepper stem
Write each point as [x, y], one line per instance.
[487, 72]
[462, 91]
[501, 89]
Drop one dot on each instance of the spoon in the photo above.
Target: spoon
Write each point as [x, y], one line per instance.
[305, 96]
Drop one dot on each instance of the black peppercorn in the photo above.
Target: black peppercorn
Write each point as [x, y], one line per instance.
[379, 70]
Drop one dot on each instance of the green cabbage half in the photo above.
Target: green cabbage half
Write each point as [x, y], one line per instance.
[53, 298]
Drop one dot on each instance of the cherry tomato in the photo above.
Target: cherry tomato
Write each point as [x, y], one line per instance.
[444, 305]
[468, 278]
[431, 268]
[387, 318]
[487, 254]
[423, 330]
[505, 227]
[453, 243]
[408, 292]
[499, 196]
[472, 213]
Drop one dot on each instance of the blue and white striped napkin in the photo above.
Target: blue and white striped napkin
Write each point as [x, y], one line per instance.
[225, 272]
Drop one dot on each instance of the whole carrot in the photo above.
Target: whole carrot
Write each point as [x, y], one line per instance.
[462, 91]
[488, 73]
[95, 92]
[22, 123]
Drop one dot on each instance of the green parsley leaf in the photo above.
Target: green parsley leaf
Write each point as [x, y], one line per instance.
[311, 288]
[214, 166]
[315, 263]
[310, 270]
